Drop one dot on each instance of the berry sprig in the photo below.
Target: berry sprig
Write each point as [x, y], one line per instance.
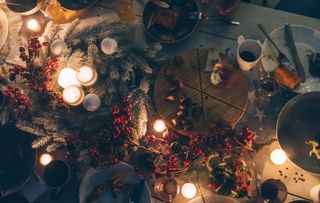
[18, 102]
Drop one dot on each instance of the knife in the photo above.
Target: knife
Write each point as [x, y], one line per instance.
[294, 52]
[137, 191]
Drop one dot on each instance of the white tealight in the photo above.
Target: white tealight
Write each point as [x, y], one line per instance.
[45, 159]
[87, 75]
[278, 156]
[159, 125]
[33, 25]
[91, 102]
[109, 46]
[73, 95]
[67, 77]
[189, 190]
[57, 47]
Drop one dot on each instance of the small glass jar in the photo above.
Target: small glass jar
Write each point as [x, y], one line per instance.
[56, 12]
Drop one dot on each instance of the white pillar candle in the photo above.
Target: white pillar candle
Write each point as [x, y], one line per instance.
[67, 77]
[278, 156]
[57, 47]
[159, 125]
[189, 190]
[91, 102]
[109, 46]
[73, 95]
[45, 159]
[87, 76]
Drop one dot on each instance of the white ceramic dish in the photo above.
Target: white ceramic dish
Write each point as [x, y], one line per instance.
[4, 27]
[95, 177]
[307, 41]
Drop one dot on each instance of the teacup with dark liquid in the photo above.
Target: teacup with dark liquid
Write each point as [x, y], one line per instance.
[249, 52]
[56, 174]
[274, 191]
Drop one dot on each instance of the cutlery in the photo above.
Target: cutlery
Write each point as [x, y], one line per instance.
[161, 4]
[202, 16]
[294, 52]
[283, 60]
[137, 191]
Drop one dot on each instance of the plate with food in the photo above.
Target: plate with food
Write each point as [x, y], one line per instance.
[117, 184]
[173, 24]
[307, 41]
[232, 175]
[3, 27]
[298, 131]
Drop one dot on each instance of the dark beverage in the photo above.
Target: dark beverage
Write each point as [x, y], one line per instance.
[56, 173]
[21, 6]
[268, 86]
[248, 56]
[269, 190]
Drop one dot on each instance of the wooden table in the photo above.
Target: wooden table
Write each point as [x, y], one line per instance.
[260, 113]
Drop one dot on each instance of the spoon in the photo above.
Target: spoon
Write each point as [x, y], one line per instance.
[160, 3]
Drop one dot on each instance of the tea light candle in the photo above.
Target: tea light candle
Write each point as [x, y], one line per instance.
[109, 46]
[45, 159]
[87, 76]
[91, 102]
[159, 125]
[189, 190]
[67, 77]
[57, 47]
[278, 156]
[34, 26]
[73, 95]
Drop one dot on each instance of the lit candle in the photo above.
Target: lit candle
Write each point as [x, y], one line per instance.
[87, 76]
[67, 77]
[159, 125]
[57, 47]
[189, 190]
[109, 46]
[45, 159]
[34, 26]
[73, 95]
[91, 102]
[278, 156]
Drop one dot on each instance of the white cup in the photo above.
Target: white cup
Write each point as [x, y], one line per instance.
[249, 53]
[315, 194]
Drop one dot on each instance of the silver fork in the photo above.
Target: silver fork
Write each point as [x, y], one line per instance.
[283, 60]
[202, 16]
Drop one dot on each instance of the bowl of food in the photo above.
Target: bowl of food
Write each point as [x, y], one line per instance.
[298, 131]
[173, 24]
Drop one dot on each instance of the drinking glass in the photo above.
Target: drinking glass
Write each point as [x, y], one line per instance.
[125, 10]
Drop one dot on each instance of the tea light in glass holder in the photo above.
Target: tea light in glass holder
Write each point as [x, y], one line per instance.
[34, 27]
[67, 77]
[91, 102]
[87, 76]
[189, 190]
[159, 125]
[57, 47]
[73, 95]
[45, 159]
[109, 46]
[278, 157]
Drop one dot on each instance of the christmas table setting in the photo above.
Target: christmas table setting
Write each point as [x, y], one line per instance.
[117, 114]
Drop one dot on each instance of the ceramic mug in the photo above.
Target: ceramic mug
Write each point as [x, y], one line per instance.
[249, 52]
[315, 194]
[56, 175]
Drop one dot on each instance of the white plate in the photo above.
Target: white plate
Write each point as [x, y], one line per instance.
[215, 199]
[307, 40]
[3, 27]
[94, 178]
